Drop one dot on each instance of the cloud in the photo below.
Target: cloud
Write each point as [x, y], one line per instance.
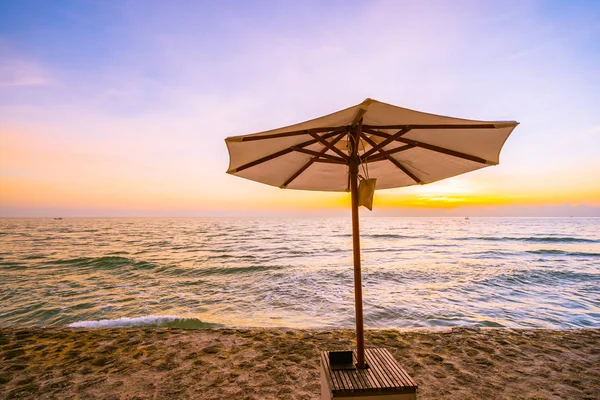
[17, 72]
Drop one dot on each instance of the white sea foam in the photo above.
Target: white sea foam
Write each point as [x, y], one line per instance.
[148, 320]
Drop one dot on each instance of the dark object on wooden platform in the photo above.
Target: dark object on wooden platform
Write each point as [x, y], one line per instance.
[341, 360]
[384, 379]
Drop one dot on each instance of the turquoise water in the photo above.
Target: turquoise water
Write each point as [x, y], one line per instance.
[417, 272]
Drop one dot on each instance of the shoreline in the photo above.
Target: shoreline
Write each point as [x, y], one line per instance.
[282, 363]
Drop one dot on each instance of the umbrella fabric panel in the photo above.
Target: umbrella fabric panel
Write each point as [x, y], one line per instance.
[241, 153]
[386, 114]
[276, 171]
[388, 175]
[430, 166]
[483, 143]
[322, 177]
[427, 166]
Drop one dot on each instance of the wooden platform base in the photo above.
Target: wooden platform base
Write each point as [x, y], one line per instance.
[385, 379]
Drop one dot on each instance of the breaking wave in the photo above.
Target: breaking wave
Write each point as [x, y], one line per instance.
[170, 321]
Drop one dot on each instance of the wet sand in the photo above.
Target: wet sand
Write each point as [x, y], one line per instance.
[157, 363]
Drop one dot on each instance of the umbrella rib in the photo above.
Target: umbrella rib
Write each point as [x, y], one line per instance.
[431, 147]
[297, 173]
[361, 112]
[387, 141]
[343, 130]
[291, 133]
[380, 157]
[280, 153]
[320, 154]
[391, 159]
[327, 161]
[329, 146]
[312, 160]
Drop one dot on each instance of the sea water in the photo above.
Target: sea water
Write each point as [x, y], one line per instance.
[271, 272]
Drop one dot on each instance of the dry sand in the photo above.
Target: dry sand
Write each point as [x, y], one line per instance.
[161, 363]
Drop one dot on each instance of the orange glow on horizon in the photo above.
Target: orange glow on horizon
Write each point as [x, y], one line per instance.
[72, 176]
[122, 194]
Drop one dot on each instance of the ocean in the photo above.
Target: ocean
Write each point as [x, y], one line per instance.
[276, 272]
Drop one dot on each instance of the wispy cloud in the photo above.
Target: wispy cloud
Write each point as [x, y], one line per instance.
[16, 72]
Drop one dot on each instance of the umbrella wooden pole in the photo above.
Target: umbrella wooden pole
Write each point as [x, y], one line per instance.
[358, 305]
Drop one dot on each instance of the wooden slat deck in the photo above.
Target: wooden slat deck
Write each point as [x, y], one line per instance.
[384, 376]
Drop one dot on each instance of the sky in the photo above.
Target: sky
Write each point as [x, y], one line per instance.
[121, 108]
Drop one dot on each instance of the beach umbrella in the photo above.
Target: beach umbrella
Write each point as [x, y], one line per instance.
[381, 145]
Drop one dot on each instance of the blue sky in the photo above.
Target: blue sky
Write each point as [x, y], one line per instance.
[121, 108]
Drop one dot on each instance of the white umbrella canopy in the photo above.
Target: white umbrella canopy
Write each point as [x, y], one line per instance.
[401, 147]
[412, 147]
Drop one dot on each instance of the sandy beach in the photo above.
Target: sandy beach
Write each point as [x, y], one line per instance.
[161, 363]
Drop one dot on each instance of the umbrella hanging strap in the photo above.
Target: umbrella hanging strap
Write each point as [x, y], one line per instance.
[366, 188]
